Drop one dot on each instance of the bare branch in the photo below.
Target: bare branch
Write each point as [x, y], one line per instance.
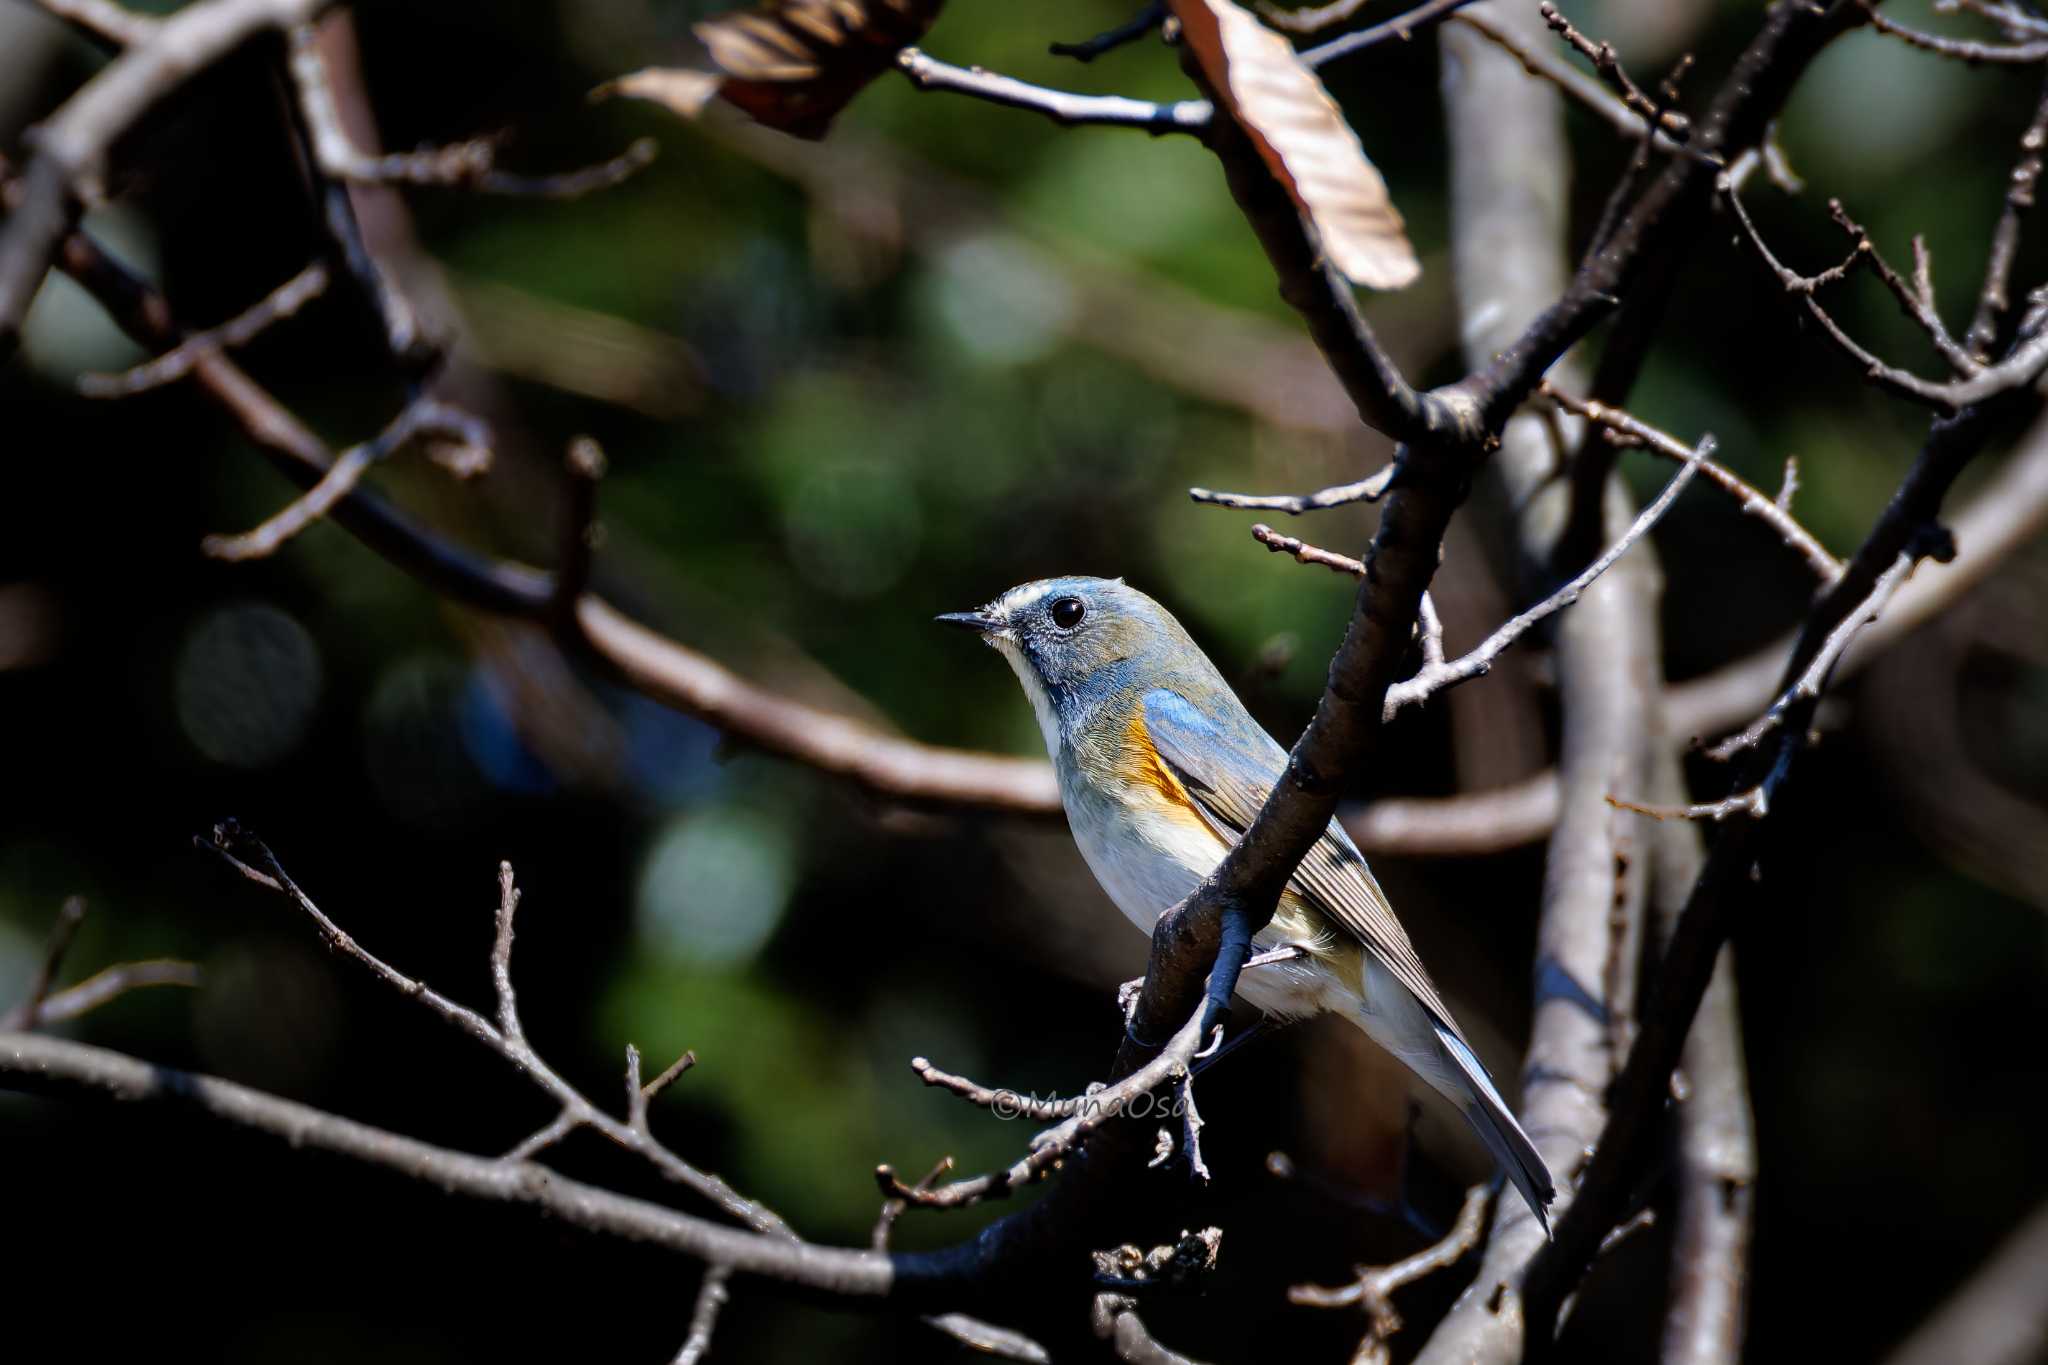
[1078, 1117]
[471, 165]
[58, 1066]
[893, 1208]
[1544, 64]
[1400, 28]
[1917, 298]
[1610, 70]
[1716, 1149]
[2015, 21]
[249, 856]
[71, 145]
[1365, 490]
[711, 1296]
[2021, 368]
[1994, 296]
[1304, 553]
[1373, 1290]
[1137, 26]
[889, 766]
[29, 1012]
[419, 418]
[1753, 802]
[1116, 1322]
[1962, 49]
[281, 303]
[1775, 511]
[1112, 111]
[501, 963]
[989, 1339]
[104, 19]
[1435, 678]
[102, 986]
[1808, 686]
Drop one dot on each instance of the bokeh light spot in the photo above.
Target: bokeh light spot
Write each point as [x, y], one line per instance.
[248, 680]
[715, 885]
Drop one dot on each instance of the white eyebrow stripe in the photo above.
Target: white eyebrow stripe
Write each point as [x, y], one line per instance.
[1017, 599]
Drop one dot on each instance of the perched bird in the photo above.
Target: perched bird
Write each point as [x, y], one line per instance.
[1161, 770]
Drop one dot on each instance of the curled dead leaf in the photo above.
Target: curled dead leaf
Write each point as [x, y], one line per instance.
[1303, 138]
[792, 65]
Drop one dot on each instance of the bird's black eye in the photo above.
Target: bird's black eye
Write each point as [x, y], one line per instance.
[1067, 612]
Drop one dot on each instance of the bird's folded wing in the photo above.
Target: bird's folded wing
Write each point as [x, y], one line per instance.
[1229, 775]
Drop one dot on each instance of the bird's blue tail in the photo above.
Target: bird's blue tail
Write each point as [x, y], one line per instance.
[1495, 1123]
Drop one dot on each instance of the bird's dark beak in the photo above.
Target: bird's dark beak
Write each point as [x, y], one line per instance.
[979, 621]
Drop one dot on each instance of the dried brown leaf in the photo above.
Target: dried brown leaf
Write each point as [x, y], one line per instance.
[792, 65]
[1303, 137]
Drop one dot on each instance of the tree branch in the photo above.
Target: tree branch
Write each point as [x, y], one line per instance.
[1062, 107]
[174, 364]
[71, 145]
[1962, 49]
[2022, 367]
[1751, 499]
[890, 767]
[1994, 296]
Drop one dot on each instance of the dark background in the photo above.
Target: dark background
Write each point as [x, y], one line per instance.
[845, 411]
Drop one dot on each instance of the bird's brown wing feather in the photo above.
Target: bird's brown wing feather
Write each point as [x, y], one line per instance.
[1229, 777]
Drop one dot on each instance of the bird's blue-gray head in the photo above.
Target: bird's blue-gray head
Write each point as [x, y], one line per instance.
[1077, 643]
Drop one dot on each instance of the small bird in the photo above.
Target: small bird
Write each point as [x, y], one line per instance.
[1161, 770]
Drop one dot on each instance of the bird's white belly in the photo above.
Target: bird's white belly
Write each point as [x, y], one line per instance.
[1149, 863]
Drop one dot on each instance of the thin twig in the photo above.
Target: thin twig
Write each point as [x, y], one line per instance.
[2021, 367]
[652, 1090]
[1544, 64]
[1401, 27]
[1751, 802]
[1811, 682]
[69, 916]
[893, 1208]
[1610, 70]
[1373, 1289]
[887, 765]
[1916, 298]
[422, 417]
[281, 303]
[2015, 21]
[1365, 490]
[254, 860]
[1777, 512]
[1004, 1343]
[927, 72]
[1479, 661]
[59, 1066]
[1080, 1117]
[107, 984]
[1962, 49]
[1994, 296]
[471, 164]
[72, 145]
[1304, 553]
[711, 1297]
[1130, 31]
